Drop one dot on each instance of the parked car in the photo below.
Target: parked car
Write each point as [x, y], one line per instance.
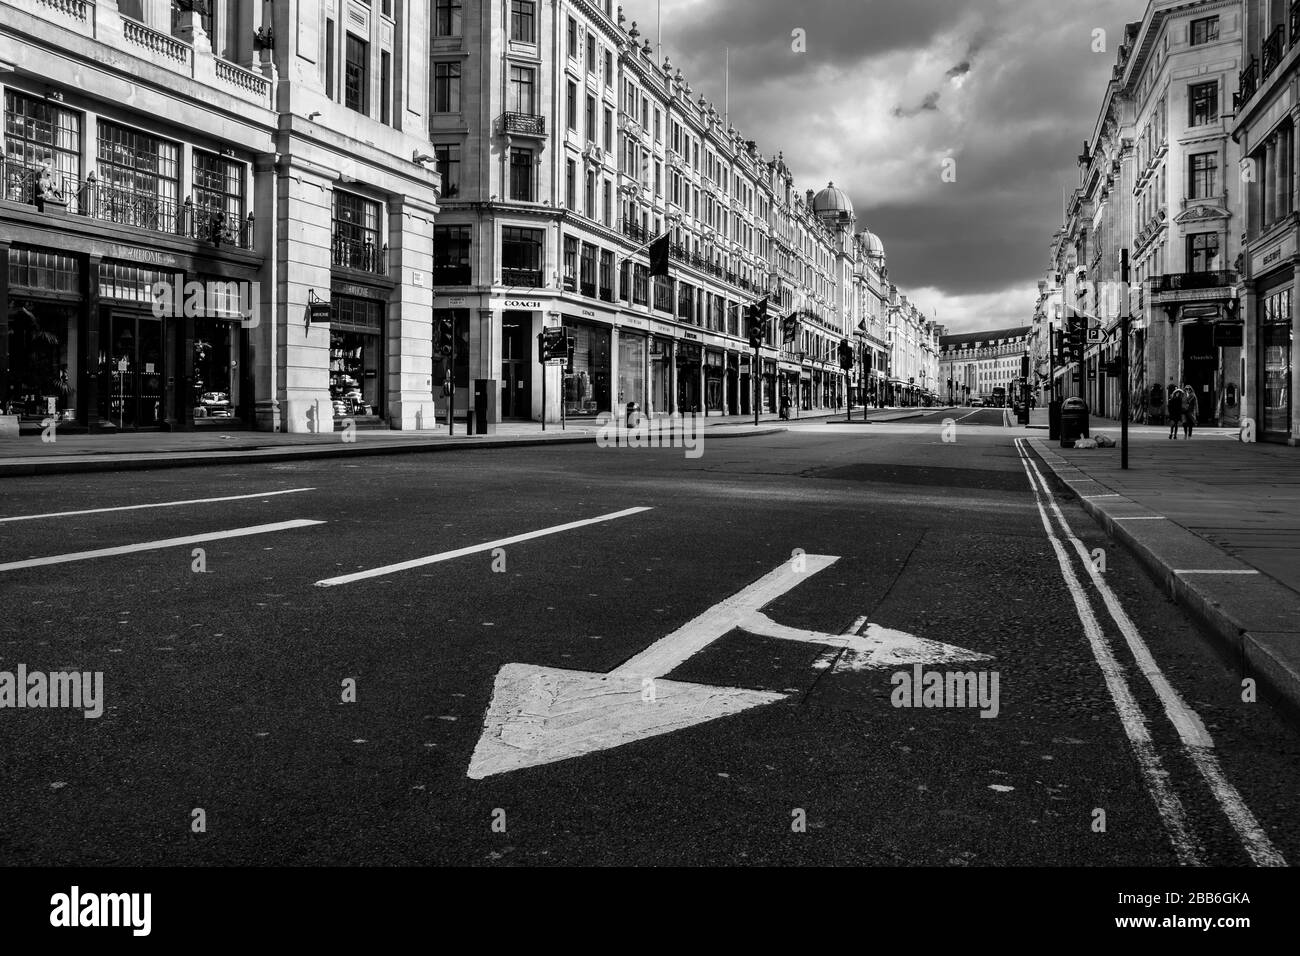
[977, 403]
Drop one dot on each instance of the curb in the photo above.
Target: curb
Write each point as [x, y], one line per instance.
[1253, 618]
[70, 465]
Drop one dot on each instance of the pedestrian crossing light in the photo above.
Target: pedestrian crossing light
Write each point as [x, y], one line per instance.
[444, 337]
[756, 322]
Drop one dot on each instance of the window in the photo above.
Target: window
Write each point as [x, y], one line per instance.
[573, 38]
[448, 160]
[659, 178]
[607, 207]
[385, 86]
[1204, 168]
[356, 79]
[521, 257]
[138, 178]
[590, 208]
[609, 68]
[451, 259]
[607, 276]
[658, 127]
[40, 133]
[587, 275]
[523, 21]
[1203, 252]
[329, 59]
[1205, 30]
[609, 130]
[592, 64]
[522, 85]
[446, 87]
[570, 264]
[218, 208]
[1203, 99]
[591, 119]
[356, 232]
[570, 185]
[571, 105]
[521, 175]
[446, 18]
[640, 284]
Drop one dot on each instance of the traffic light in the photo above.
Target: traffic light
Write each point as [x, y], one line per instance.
[553, 344]
[445, 337]
[756, 322]
[1024, 366]
[846, 355]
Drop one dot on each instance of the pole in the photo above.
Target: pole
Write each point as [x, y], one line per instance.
[451, 375]
[758, 385]
[541, 345]
[1123, 362]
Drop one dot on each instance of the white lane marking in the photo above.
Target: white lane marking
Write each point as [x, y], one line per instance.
[473, 549]
[879, 647]
[1212, 571]
[1196, 740]
[156, 545]
[667, 653]
[159, 504]
[1168, 805]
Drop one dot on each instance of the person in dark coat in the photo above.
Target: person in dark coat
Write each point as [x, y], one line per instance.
[1174, 409]
[1191, 408]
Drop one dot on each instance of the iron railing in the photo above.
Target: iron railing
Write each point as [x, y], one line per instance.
[521, 278]
[1273, 48]
[352, 252]
[1182, 281]
[1247, 83]
[451, 275]
[525, 124]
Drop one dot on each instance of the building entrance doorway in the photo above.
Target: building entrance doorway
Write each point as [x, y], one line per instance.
[131, 369]
[516, 366]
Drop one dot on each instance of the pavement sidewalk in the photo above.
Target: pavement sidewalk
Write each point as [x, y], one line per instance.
[1217, 524]
[29, 455]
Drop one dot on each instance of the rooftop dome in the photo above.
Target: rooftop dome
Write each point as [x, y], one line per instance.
[872, 244]
[832, 201]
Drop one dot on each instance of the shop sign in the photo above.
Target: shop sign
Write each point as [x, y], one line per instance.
[455, 301]
[1229, 335]
[691, 335]
[1281, 252]
[358, 291]
[117, 250]
[662, 329]
[630, 323]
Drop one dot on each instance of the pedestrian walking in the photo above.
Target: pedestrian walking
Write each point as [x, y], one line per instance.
[1174, 409]
[1190, 409]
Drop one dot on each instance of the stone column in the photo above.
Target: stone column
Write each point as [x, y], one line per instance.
[409, 326]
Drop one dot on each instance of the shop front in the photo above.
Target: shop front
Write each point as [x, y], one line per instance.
[746, 384]
[1275, 358]
[587, 384]
[357, 352]
[733, 383]
[715, 365]
[517, 360]
[632, 352]
[771, 398]
[690, 357]
[660, 400]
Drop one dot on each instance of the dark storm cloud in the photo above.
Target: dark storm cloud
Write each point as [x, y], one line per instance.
[888, 89]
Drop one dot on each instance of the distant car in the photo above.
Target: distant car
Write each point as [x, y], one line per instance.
[977, 403]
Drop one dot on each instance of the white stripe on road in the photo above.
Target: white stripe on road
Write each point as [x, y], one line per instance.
[160, 504]
[156, 545]
[667, 653]
[1170, 808]
[1208, 571]
[1196, 740]
[472, 549]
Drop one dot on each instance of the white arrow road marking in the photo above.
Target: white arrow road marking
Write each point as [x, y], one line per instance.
[541, 715]
[472, 549]
[156, 545]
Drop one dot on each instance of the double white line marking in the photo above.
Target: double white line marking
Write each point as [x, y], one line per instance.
[1196, 740]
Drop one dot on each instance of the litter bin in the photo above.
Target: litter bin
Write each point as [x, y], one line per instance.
[484, 412]
[1074, 421]
[1054, 420]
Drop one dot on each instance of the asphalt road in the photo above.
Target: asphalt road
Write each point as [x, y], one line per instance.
[223, 689]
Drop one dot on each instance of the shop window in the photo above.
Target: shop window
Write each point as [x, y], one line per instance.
[356, 233]
[40, 134]
[586, 389]
[218, 199]
[138, 179]
[521, 257]
[1276, 346]
[356, 356]
[451, 255]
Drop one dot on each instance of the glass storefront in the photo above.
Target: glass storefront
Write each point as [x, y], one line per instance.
[586, 389]
[689, 356]
[43, 349]
[356, 356]
[631, 370]
[1275, 363]
[660, 398]
[714, 369]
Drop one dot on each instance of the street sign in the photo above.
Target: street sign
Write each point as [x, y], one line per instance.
[318, 312]
[541, 715]
[1096, 334]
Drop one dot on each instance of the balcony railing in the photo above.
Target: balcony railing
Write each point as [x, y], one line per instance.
[588, 289]
[22, 183]
[521, 278]
[1294, 32]
[606, 293]
[1273, 49]
[156, 44]
[451, 275]
[351, 252]
[633, 230]
[1184, 281]
[1247, 83]
[525, 124]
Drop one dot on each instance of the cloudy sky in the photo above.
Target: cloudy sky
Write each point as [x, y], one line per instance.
[889, 89]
